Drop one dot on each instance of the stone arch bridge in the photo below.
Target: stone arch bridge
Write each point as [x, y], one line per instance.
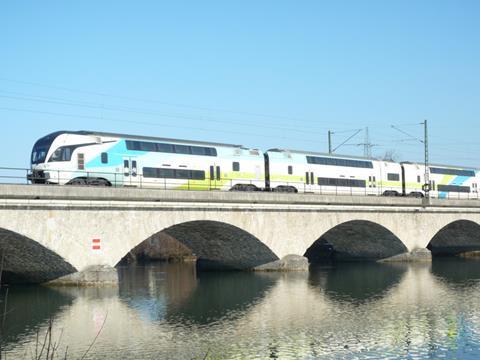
[50, 231]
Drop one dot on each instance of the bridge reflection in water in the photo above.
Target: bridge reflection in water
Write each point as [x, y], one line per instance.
[351, 310]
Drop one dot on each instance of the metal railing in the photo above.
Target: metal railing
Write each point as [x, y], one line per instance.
[13, 175]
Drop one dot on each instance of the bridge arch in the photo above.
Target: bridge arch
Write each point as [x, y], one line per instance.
[355, 240]
[218, 245]
[27, 261]
[457, 237]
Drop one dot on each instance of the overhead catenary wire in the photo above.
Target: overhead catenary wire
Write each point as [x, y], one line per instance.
[154, 113]
[149, 123]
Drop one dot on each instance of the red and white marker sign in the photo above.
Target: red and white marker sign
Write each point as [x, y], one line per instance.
[96, 244]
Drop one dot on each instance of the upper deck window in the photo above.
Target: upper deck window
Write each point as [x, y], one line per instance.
[457, 172]
[170, 148]
[339, 162]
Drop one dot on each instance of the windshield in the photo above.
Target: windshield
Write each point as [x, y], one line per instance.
[41, 147]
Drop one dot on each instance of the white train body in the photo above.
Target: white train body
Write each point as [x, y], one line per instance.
[123, 160]
[445, 181]
[95, 158]
[331, 174]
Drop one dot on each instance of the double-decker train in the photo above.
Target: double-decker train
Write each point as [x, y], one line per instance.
[108, 159]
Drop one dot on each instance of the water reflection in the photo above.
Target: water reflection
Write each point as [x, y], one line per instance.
[27, 308]
[351, 282]
[221, 296]
[177, 293]
[457, 271]
[352, 311]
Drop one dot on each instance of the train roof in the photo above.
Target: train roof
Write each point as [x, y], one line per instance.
[303, 152]
[142, 137]
[441, 165]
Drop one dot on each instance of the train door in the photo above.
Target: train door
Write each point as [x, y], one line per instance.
[215, 177]
[372, 185]
[309, 181]
[130, 171]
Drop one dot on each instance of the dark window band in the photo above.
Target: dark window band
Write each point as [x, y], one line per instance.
[170, 148]
[453, 188]
[149, 172]
[458, 172]
[341, 182]
[339, 162]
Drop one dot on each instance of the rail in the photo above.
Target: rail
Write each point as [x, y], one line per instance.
[15, 175]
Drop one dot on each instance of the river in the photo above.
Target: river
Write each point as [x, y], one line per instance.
[170, 311]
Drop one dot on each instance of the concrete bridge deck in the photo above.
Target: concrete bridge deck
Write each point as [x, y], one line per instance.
[49, 231]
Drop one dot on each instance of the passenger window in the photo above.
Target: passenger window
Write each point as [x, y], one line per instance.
[418, 179]
[290, 170]
[182, 149]
[307, 178]
[104, 158]
[236, 166]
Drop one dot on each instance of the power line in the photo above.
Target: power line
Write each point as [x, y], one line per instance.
[152, 112]
[151, 124]
[102, 94]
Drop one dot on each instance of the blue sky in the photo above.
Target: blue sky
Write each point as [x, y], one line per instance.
[259, 73]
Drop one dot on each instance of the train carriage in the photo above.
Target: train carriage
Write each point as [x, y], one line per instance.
[96, 158]
[291, 170]
[445, 181]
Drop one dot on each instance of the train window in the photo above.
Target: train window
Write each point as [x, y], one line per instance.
[290, 169]
[181, 174]
[307, 178]
[211, 151]
[218, 173]
[341, 182]
[166, 148]
[458, 172]
[104, 157]
[169, 148]
[236, 166]
[393, 177]
[453, 188]
[149, 172]
[165, 173]
[418, 179]
[339, 162]
[132, 145]
[198, 175]
[148, 146]
[81, 161]
[182, 149]
[198, 150]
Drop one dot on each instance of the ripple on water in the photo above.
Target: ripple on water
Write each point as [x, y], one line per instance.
[415, 312]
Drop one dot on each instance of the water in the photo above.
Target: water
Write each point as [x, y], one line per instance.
[168, 311]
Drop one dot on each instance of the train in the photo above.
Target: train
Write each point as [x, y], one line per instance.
[110, 159]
